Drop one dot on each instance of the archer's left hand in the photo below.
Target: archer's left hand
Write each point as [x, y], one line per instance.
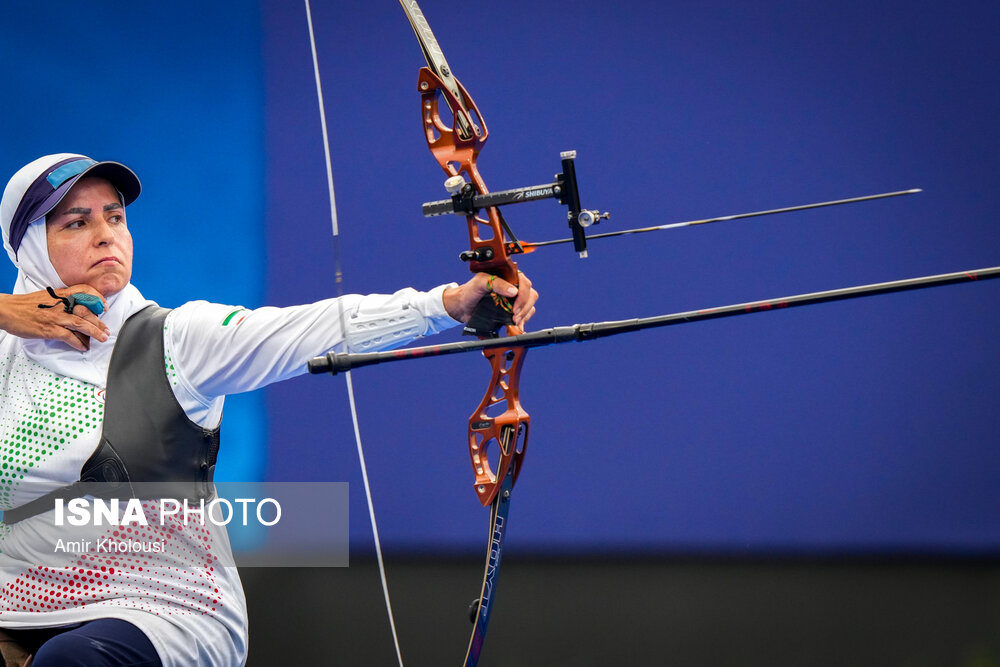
[461, 301]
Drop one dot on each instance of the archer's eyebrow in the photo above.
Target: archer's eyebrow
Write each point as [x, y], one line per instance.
[78, 210]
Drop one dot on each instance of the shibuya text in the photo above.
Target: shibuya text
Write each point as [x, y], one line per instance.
[116, 512]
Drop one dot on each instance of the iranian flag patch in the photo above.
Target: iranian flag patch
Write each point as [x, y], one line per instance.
[235, 317]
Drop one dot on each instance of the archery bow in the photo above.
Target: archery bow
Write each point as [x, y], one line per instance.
[499, 421]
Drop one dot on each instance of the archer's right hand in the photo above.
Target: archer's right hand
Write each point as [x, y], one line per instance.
[21, 316]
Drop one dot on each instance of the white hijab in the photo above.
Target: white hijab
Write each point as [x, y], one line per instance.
[35, 272]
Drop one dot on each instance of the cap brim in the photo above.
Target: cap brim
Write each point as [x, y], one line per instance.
[122, 178]
[35, 204]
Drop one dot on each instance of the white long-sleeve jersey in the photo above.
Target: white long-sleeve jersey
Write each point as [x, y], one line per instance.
[51, 424]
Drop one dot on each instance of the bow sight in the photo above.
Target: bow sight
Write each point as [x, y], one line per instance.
[466, 201]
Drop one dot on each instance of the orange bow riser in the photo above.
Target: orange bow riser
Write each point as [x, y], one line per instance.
[499, 421]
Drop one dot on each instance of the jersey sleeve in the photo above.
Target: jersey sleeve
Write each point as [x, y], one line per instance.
[214, 350]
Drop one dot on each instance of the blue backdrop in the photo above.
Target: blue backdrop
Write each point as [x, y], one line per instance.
[175, 93]
[866, 426]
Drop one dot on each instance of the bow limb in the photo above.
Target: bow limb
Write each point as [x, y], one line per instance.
[340, 293]
[437, 63]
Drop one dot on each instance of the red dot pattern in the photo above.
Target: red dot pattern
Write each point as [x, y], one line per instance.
[179, 580]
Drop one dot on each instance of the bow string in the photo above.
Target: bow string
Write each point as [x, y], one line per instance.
[338, 272]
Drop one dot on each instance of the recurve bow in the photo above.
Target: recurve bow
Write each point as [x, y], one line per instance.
[499, 424]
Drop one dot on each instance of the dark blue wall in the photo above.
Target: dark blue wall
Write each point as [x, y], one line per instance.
[858, 427]
[847, 427]
[175, 93]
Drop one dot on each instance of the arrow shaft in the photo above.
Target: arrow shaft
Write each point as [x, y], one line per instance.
[727, 218]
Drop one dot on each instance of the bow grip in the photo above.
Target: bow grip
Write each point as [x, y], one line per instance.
[492, 312]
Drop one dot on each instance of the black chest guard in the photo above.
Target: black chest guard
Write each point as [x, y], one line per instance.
[147, 437]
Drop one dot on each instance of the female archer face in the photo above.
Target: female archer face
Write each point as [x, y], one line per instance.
[88, 240]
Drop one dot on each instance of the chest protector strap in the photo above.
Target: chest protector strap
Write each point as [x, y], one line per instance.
[147, 437]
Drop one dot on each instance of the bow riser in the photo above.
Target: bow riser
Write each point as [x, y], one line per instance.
[507, 431]
[457, 157]
[456, 154]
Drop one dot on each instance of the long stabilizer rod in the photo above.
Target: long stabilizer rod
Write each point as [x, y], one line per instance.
[337, 363]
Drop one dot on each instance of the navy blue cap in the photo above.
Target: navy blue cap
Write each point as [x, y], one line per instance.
[51, 186]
